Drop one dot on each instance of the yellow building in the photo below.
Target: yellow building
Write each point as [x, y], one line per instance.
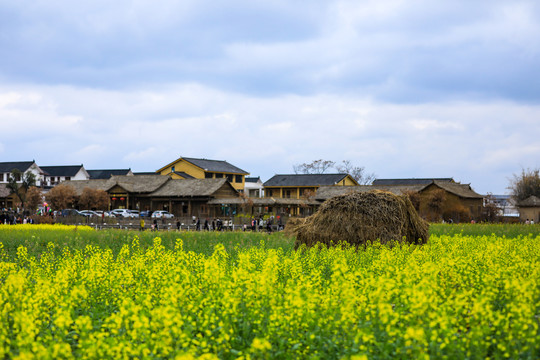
[296, 192]
[193, 168]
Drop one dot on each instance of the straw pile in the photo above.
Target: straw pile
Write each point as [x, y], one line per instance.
[360, 218]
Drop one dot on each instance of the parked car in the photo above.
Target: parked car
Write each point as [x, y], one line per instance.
[146, 213]
[71, 212]
[89, 213]
[121, 213]
[109, 214]
[134, 213]
[162, 214]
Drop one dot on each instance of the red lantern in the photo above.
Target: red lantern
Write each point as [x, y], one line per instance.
[113, 199]
[122, 199]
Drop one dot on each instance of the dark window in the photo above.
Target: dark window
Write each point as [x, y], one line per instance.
[18, 177]
[208, 175]
[1, 177]
[229, 177]
[219, 176]
[172, 168]
[269, 192]
[238, 179]
[68, 178]
[287, 194]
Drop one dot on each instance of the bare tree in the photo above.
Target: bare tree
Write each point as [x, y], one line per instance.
[61, 197]
[315, 167]
[94, 199]
[346, 166]
[20, 189]
[357, 172]
[34, 198]
[525, 185]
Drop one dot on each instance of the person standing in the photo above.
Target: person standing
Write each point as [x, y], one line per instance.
[142, 224]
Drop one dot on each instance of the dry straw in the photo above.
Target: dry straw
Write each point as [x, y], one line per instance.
[360, 218]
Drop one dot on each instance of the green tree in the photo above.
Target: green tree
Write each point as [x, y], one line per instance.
[19, 183]
[526, 184]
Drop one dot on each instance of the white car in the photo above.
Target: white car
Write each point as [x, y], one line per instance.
[121, 213]
[162, 214]
[134, 213]
[90, 213]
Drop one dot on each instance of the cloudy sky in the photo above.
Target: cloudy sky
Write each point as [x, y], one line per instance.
[415, 88]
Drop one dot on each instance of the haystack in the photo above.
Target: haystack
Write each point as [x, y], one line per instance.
[360, 218]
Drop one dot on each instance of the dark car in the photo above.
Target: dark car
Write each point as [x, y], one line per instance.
[146, 213]
[71, 212]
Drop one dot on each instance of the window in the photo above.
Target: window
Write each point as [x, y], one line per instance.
[287, 194]
[68, 178]
[219, 176]
[2, 177]
[229, 177]
[269, 192]
[172, 168]
[208, 175]
[238, 179]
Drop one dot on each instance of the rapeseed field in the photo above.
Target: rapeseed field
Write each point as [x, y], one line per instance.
[460, 296]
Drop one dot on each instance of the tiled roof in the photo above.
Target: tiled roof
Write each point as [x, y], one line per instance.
[252, 179]
[411, 181]
[7, 167]
[67, 170]
[140, 183]
[215, 165]
[304, 180]
[106, 173]
[327, 192]
[191, 187]
[461, 190]
[184, 175]
[531, 201]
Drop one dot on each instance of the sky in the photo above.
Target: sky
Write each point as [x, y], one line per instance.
[406, 89]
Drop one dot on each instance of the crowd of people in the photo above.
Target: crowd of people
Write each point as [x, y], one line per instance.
[12, 217]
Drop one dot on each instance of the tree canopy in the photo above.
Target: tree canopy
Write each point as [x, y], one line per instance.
[19, 183]
[526, 184]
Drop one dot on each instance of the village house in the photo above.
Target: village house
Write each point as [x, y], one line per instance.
[253, 187]
[193, 168]
[529, 209]
[181, 197]
[8, 200]
[24, 167]
[54, 175]
[295, 193]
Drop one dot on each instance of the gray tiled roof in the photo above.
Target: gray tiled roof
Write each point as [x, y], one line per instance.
[184, 175]
[411, 181]
[67, 170]
[304, 179]
[252, 179]
[106, 173]
[7, 167]
[215, 165]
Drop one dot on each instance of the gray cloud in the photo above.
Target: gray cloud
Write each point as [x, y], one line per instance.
[395, 51]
